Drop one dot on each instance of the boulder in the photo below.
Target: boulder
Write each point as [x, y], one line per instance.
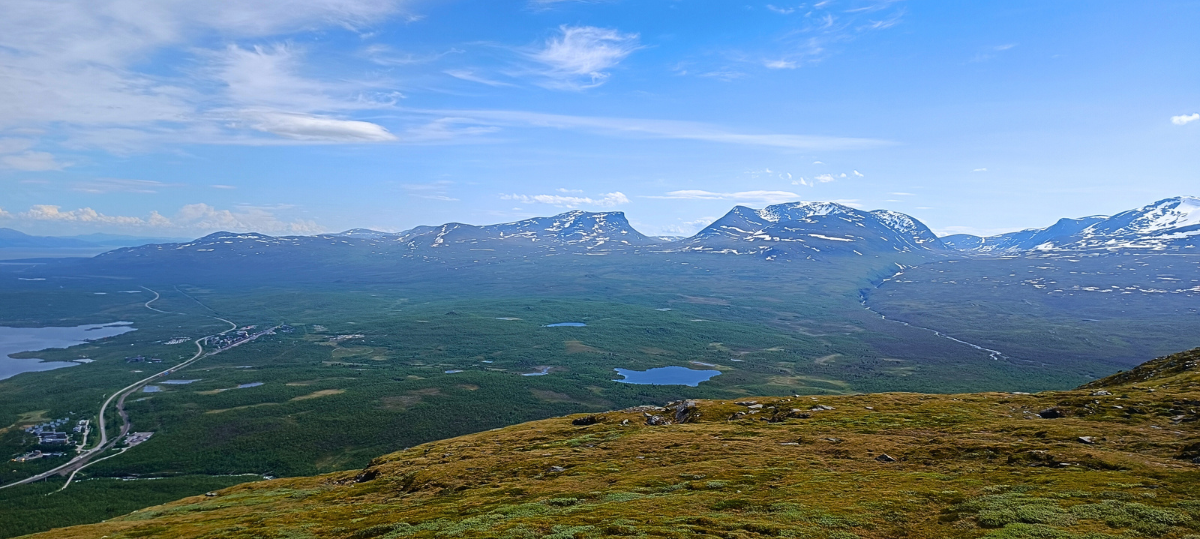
[884, 457]
[1087, 439]
[588, 420]
[687, 411]
[1052, 413]
[657, 421]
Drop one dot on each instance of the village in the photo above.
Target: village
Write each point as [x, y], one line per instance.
[48, 434]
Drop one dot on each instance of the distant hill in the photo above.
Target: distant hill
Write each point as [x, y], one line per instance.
[1119, 457]
[10, 238]
[1170, 224]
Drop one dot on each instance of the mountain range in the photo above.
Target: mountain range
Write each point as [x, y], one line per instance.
[796, 230]
[1169, 224]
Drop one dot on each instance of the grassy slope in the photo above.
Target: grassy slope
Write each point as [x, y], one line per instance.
[967, 465]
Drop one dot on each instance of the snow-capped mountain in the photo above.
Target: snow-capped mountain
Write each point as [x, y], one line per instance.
[813, 228]
[1169, 224]
[1023, 240]
[578, 229]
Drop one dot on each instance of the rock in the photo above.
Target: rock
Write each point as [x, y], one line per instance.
[737, 415]
[1087, 439]
[588, 420]
[833, 440]
[820, 408]
[557, 469]
[210, 494]
[746, 403]
[884, 457]
[755, 406]
[366, 475]
[1051, 413]
[687, 411]
[1101, 393]
[624, 422]
[657, 421]
[1196, 460]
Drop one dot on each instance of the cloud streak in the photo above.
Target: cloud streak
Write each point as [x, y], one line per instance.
[191, 218]
[664, 129]
[767, 197]
[605, 200]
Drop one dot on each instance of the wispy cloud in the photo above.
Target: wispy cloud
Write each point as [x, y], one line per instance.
[668, 129]
[119, 185]
[33, 161]
[579, 56]
[1185, 118]
[430, 191]
[605, 200]
[767, 197]
[979, 170]
[472, 77]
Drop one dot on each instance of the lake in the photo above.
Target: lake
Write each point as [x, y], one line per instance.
[666, 376]
[14, 340]
[567, 325]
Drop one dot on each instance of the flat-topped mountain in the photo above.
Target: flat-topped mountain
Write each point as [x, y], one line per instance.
[1119, 457]
[1170, 224]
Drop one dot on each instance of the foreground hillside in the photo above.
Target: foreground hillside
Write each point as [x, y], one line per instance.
[1117, 457]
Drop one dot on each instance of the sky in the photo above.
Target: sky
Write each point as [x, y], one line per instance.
[178, 118]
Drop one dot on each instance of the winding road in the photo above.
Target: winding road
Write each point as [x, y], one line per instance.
[87, 458]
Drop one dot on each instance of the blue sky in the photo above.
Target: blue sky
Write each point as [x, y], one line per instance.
[178, 118]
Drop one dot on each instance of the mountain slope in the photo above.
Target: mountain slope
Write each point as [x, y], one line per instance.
[1116, 458]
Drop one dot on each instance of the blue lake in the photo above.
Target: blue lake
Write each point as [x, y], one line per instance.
[541, 371]
[251, 384]
[151, 389]
[567, 325]
[14, 340]
[178, 382]
[666, 376]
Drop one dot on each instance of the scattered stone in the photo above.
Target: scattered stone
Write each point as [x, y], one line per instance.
[210, 494]
[557, 469]
[624, 422]
[1196, 460]
[789, 443]
[1101, 393]
[1087, 439]
[820, 408]
[870, 407]
[746, 403]
[755, 406]
[588, 420]
[833, 440]
[1051, 413]
[657, 421]
[737, 415]
[644, 408]
[884, 457]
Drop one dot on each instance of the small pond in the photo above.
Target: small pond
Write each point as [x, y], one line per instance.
[178, 382]
[151, 389]
[251, 384]
[541, 371]
[666, 376]
[567, 325]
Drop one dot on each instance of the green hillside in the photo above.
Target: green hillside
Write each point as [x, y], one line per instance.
[1116, 458]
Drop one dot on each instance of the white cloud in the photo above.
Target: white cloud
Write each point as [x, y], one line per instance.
[980, 170]
[430, 191]
[824, 178]
[668, 129]
[1185, 118]
[4, 214]
[781, 10]
[605, 200]
[114, 185]
[903, 194]
[77, 64]
[578, 57]
[768, 197]
[33, 161]
[780, 64]
[818, 163]
[45, 212]
[309, 127]
[859, 174]
[222, 186]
